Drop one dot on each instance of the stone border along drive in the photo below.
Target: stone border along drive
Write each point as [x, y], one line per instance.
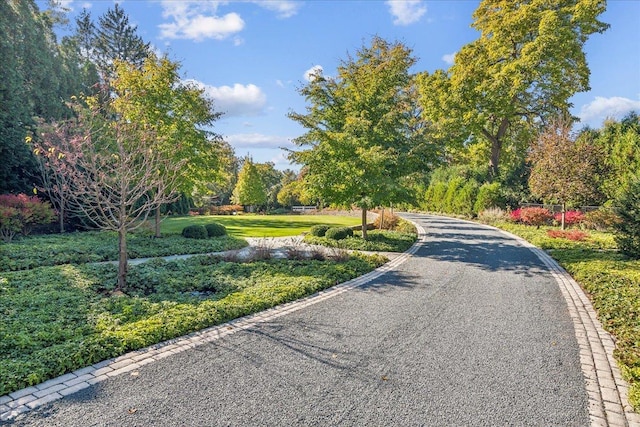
[24, 400]
[607, 391]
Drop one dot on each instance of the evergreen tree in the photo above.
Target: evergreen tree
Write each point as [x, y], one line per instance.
[115, 39]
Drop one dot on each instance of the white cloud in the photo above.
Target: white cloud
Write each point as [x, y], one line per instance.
[236, 100]
[258, 140]
[196, 20]
[595, 112]
[406, 12]
[312, 72]
[87, 5]
[449, 57]
[284, 8]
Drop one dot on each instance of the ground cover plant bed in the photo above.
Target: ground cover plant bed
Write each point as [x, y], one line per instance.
[377, 240]
[611, 280]
[259, 225]
[54, 249]
[57, 319]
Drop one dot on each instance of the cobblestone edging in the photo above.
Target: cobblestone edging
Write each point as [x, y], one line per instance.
[24, 400]
[606, 389]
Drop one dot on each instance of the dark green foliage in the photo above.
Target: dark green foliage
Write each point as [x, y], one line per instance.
[628, 228]
[319, 230]
[195, 232]
[338, 233]
[63, 318]
[377, 240]
[32, 83]
[116, 39]
[489, 196]
[54, 249]
[215, 229]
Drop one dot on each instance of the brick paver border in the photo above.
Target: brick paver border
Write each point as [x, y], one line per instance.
[606, 389]
[30, 398]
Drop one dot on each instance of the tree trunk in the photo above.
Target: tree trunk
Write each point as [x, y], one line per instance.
[364, 223]
[381, 219]
[495, 158]
[496, 146]
[157, 222]
[122, 259]
[564, 210]
[61, 216]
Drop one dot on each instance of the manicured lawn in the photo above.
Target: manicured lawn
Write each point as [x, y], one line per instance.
[613, 284]
[259, 225]
[60, 318]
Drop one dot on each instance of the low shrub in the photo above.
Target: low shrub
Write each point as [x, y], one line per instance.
[215, 229]
[20, 213]
[492, 215]
[535, 216]
[405, 227]
[515, 215]
[195, 232]
[570, 217]
[600, 220]
[338, 233]
[226, 209]
[389, 221]
[575, 235]
[319, 230]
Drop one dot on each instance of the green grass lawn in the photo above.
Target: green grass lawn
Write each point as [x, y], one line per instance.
[259, 225]
[613, 284]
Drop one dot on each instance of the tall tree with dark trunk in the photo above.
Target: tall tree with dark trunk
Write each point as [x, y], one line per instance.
[362, 140]
[524, 68]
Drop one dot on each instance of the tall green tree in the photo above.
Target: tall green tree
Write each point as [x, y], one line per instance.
[116, 40]
[154, 95]
[250, 189]
[522, 70]
[620, 141]
[33, 83]
[361, 137]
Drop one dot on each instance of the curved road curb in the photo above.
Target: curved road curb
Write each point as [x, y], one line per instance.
[24, 400]
[607, 390]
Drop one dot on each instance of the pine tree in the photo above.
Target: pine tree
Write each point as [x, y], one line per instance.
[116, 39]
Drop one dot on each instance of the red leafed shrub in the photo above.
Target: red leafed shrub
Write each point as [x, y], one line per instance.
[575, 235]
[515, 215]
[194, 213]
[20, 213]
[535, 216]
[570, 217]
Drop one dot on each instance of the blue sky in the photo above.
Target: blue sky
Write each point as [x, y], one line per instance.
[251, 56]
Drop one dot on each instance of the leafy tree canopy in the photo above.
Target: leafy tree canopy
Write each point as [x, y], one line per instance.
[524, 67]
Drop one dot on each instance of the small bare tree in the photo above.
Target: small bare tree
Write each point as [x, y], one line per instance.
[114, 176]
[53, 165]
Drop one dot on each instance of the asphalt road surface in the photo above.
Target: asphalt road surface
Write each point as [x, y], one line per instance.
[470, 331]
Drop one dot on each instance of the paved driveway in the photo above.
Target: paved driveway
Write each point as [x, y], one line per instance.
[470, 330]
